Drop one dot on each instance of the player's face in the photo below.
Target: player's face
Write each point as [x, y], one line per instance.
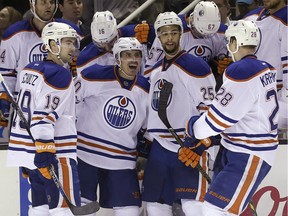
[72, 9]
[45, 9]
[68, 47]
[131, 61]
[169, 37]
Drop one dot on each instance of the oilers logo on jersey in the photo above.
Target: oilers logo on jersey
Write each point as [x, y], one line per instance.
[156, 94]
[202, 51]
[119, 112]
[38, 53]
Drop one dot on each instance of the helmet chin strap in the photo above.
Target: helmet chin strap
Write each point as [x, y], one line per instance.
[231, 52]
[33, 10]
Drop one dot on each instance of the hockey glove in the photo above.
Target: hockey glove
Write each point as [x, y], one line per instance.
[143, 145]
[223, 64]
[142, 32]
[4, 109]
[191, 156]
[44, 157]
[193, 148]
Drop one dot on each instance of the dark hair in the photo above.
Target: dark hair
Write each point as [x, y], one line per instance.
[14, 15]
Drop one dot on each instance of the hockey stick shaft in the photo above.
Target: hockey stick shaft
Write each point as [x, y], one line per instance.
[76, 210]
[162, 112]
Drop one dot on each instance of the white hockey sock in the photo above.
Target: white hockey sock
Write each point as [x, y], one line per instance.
[42, 210]
[209, 209]
[60, 212]
[127, 211]
[191, 207]
[156, 209]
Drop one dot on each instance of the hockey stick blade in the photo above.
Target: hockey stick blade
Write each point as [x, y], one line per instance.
[76, 210]
[162, 113]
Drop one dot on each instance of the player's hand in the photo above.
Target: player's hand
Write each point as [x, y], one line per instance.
[142, 32]
[223, 64]
[143, 145]
[44, 157]
[73, 67]
[190, 139]
[188, 157]
[4, 108]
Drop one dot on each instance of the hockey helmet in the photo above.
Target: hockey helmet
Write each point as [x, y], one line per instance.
[126, 44]
[167, 18]
[103, 27]
[56, 31]
[245, 32]
[205, 18]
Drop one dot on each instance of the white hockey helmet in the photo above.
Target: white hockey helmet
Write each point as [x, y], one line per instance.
[167, 18]
[103, 27]
[205, 18]
[33, 10]
[245, 32]
[56, 31]
[126, 44]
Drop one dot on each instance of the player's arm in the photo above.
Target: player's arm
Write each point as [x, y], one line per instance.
[50, 105]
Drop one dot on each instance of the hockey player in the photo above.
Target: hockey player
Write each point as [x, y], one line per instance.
[104, 33]
[22, 44]
[47, 99]
[245, 113]
[113, 100]
[166, 179]
[272, 22]
[273, 16]
[202, 38]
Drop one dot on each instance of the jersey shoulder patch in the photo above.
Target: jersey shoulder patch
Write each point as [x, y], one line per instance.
[98, 72]
[89, 53]
[246, 68]
[54, 75]
[281, 15]
[192, 65]
[143, 83]
[20, 26]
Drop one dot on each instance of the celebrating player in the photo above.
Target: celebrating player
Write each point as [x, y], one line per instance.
[201, 37]
[113, 104]
[47, 99]
[245, 113]
[166, 179]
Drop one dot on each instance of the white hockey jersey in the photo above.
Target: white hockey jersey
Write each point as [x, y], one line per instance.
[192, 93]
[273, 46]
[245, 110]
[109, 116]
[205, 48]
[21, 45]
[47, 99]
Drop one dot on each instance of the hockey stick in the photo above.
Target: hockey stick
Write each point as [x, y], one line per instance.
[162, 113]
[76, 210]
